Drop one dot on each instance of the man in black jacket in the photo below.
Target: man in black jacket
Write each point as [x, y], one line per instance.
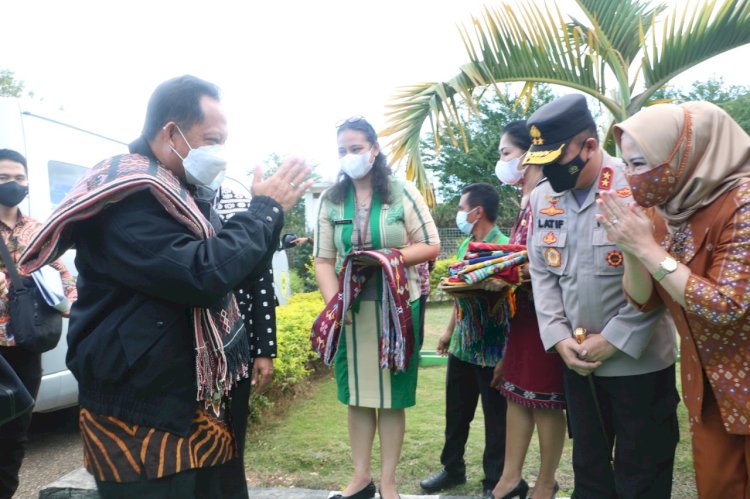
[156, 340]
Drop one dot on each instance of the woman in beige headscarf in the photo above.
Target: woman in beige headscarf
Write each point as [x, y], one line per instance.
[692, 164]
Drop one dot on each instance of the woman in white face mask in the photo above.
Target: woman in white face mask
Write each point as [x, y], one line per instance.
[530, 378]
[368, 209]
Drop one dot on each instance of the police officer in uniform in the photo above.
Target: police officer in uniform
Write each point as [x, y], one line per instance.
[620, 378]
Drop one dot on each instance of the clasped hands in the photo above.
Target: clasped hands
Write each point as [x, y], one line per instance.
[586, 357]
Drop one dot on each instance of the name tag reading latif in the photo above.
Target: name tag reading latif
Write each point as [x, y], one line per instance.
[343, 221]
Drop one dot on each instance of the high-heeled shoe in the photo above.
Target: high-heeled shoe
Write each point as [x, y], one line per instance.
[521, 490]
[555, 490]
[367, 493]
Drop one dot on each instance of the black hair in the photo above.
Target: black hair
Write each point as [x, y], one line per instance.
[519, 134]
[589, 132]
[381, 172]
[178, 100]
[483, 195]
[11, 155]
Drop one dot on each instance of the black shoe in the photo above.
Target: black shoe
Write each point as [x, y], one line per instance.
[521, 490]
[367, 493]
[441, 480]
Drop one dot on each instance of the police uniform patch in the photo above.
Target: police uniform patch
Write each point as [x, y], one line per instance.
[552, 257]
[549, 238]
[605, 177]
[625, 192]
[614, 258]
[552, 209]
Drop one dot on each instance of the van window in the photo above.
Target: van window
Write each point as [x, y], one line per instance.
[62, 177]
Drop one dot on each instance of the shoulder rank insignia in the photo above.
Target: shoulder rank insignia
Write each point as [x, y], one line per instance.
[625, 192]
[614, 258]
[552, 257]
[552, 209]
[549, 238]
[605, 177]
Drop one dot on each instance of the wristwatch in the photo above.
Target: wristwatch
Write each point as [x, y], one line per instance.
[667, 266]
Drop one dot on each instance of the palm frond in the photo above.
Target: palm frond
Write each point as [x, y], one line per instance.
[690, 35]
[527, 42]
[617, 24]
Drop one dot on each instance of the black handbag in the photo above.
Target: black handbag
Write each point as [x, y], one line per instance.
[15, 399]
[35, 325]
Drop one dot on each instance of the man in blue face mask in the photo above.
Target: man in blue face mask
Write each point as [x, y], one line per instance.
[474, 347]
[157, 341]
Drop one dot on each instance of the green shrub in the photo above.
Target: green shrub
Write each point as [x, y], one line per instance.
[295, 359]
[296, 282]
[440, 270]
[293, 323]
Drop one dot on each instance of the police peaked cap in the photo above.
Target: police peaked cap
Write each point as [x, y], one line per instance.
[553, 125]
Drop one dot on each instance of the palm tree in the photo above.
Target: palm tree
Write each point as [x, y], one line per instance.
[620, 52]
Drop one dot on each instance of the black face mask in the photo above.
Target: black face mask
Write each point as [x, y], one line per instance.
[563, 176]
[12, 193]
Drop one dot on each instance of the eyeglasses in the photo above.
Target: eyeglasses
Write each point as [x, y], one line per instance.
[354, 119]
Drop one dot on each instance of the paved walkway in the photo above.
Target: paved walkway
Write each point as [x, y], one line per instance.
[323, 494]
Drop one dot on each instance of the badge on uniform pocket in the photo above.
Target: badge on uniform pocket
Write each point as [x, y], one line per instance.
[552, 257]
[614, 258]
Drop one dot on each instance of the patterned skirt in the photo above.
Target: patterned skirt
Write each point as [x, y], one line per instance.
[359, 379]
[532, 377]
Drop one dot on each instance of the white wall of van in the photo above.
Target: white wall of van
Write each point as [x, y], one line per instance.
[58, 154]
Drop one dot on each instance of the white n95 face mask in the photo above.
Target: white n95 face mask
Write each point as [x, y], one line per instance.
[205, 165]
[356, 165]
[507, 171]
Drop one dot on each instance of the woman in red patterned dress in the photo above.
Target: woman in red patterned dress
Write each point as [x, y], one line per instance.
[529, 377]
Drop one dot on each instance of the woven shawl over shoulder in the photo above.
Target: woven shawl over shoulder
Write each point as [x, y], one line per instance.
[222, 355]
[397, 335]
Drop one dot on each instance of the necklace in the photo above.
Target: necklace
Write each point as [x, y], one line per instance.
[365, 202]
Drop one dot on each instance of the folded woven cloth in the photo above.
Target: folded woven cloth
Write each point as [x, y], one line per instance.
[486, 261]
[475, 273]
[397, 334]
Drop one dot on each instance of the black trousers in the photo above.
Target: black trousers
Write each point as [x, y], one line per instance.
[465, 384]
[639, 413]
[13, 434]
[199, 483]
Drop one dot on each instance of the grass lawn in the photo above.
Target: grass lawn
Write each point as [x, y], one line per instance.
[305, 444]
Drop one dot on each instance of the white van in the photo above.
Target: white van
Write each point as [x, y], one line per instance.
[58, 154]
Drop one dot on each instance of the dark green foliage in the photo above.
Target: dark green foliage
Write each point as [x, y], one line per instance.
[454, 167]
[735, 99]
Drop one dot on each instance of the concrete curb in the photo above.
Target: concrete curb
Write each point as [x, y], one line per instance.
[79, 484]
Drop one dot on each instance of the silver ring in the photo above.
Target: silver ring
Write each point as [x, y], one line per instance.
[294, 186]
[614, 221]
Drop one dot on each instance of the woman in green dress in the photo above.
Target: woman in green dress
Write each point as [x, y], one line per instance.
[368, 208]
